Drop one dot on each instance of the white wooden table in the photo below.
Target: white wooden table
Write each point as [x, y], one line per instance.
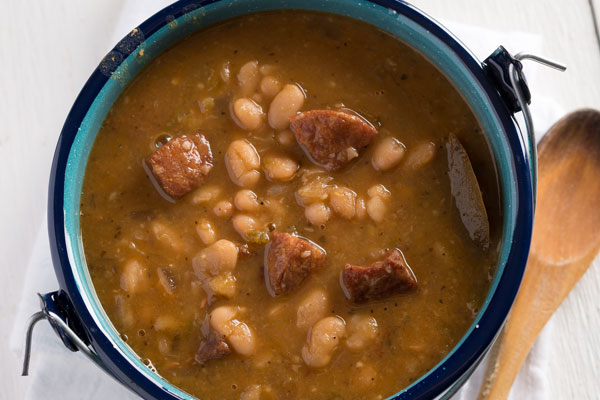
[48, 49]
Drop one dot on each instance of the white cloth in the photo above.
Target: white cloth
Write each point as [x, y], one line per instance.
[56, 373]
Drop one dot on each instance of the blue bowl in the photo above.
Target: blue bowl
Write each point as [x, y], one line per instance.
[76, 302]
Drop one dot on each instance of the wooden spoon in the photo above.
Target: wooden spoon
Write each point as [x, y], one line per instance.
[566, 238]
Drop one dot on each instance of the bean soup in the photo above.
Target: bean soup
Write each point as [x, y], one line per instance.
[291, 205]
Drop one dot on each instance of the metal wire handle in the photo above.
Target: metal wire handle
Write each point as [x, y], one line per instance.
[38, 316]
[53, 318]
[544, 61]
[515, 82]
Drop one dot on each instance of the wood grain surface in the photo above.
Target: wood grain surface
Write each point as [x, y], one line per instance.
[49, 48]
[565, 241]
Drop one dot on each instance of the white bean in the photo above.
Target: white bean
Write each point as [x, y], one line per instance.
[323, 340]
[420, 155]
[387, 154]
[252, 392]
[362, 329]
[242, 338]
[244, 224]
[123, 311]
[376, 208]
[219, 257]
[166, 235]
[164, 346]
[313, 307]
[246, 200]
[206, 194]
[279, 168]
[361, 208]
[223, 209]
[248, 77]
[365, 376]
[134, 277]
[220, 318]
[242, 163]
[285, 104]
[206, 231]
[286, 138]
[206, 105]
[378, 190]
[343, 202]
[236, 332]
[166, 322]
[270, 86]
[317, 213]
[247, 114]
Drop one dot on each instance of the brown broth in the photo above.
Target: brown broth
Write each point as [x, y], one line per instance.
[336, 61]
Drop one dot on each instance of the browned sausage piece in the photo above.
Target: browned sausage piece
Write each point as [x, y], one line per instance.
[380, 279]
[332, 138]
[289, 260]
[213, 347]
[181, 165]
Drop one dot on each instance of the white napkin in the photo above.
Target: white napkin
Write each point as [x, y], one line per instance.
[56, 373]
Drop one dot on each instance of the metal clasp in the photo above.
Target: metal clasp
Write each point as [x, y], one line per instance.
[53, 312]
[507, 72]
[516, 79]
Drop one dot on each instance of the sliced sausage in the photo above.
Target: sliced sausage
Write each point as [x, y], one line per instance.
[379, 279]
[332, 138]
[213, 347]
[181, 164]
[289, 260]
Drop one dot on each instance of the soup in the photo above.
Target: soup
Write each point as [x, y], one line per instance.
[291, 205]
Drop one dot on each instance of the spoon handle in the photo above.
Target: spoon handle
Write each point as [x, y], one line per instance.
[511, 348]
[541, 292]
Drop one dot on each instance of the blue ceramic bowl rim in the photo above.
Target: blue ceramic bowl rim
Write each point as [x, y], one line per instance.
[187, 16]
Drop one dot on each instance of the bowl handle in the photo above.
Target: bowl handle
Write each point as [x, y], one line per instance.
[506, 72]
[57, 309]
